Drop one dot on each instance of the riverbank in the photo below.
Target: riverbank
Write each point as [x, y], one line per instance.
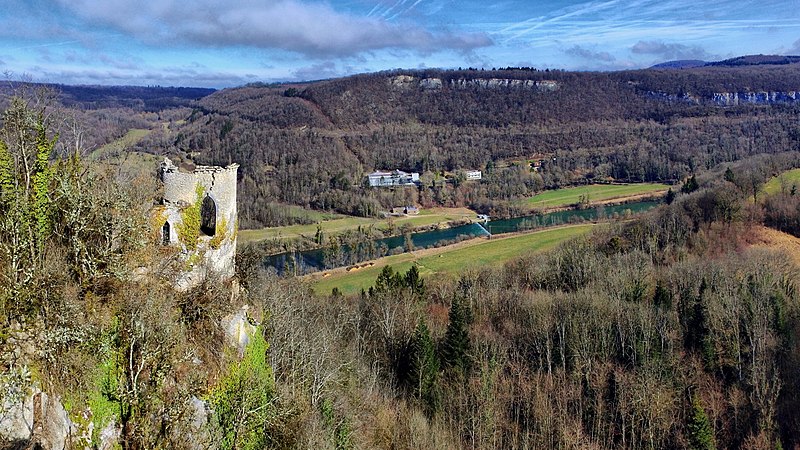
[432, 217]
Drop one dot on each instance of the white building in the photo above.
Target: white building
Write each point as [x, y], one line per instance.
[473, 174]
[394, 178]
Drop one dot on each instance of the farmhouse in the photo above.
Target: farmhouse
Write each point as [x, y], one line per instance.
[407, 210]
[394, 178]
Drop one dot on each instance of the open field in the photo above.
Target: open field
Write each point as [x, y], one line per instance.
[343, 223]
[784, 181]
[448, 260]
[131, 137]
[596, 193]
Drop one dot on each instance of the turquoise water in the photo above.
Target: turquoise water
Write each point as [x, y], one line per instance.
[300, 262]
[563, 217]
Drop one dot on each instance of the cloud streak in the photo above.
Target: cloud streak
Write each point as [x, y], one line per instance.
[313, 29]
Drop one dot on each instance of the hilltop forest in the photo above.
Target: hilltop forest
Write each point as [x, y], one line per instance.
[675, 329]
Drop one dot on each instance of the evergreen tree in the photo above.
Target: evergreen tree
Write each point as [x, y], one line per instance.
[387, 281]
[662, 296]
[698, 333]
[670, 197]
[319, 237]
[414, 282]
[456, 343]
[690, 185]
[729, 175]
[424, 369]
[701, 436]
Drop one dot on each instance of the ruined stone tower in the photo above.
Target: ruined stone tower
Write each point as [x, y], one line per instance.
[199, 214]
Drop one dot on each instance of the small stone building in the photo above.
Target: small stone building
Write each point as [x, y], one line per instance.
[199, 214]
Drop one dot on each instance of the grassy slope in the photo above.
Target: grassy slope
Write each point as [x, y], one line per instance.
[449, 260]
[341, 224]
[131, 137]
[597, 192]
[783, 181]
[116, 154]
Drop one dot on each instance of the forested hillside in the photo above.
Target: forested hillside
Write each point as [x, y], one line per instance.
[312, 144]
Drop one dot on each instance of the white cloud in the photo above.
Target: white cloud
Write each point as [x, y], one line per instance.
[590, 54]
[319, 71]
[314, 29]
[670, 51]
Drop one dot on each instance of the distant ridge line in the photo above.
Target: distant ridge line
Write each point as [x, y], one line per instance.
[747, 60]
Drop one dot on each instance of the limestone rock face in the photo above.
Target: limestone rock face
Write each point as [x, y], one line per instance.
[498, 83]
[756, 98]
[402, 81]
[36, 419]
[16, 420]
[54, 429]
[109, 436]
[431, 83]
[238, 329]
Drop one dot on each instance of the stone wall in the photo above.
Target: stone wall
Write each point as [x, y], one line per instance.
[213, 254]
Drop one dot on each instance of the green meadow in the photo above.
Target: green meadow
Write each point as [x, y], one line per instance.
[783, 182]
[447, 262]
[593, 192]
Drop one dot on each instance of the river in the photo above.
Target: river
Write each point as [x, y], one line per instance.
[301, 262]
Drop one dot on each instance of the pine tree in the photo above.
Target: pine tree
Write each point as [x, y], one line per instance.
[670, 197]
[729, 175]
[701, 436]
[388, 281]
[424, 369]
[456, 343]
[414, 282]
[690, 185]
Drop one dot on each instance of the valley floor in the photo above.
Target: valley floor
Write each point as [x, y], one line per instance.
[446, 260]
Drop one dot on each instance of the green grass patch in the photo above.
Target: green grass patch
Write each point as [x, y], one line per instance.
[332, 226]
[130, 138]
[594, 192]
[339, 224]
[496, 251]
[783, 182]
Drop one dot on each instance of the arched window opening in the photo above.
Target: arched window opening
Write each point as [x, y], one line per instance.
[165, 238]
[208, 216]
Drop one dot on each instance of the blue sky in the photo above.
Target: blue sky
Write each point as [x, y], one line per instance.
[214, 43]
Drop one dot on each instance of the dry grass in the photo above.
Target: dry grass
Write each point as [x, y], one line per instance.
[777, 240]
